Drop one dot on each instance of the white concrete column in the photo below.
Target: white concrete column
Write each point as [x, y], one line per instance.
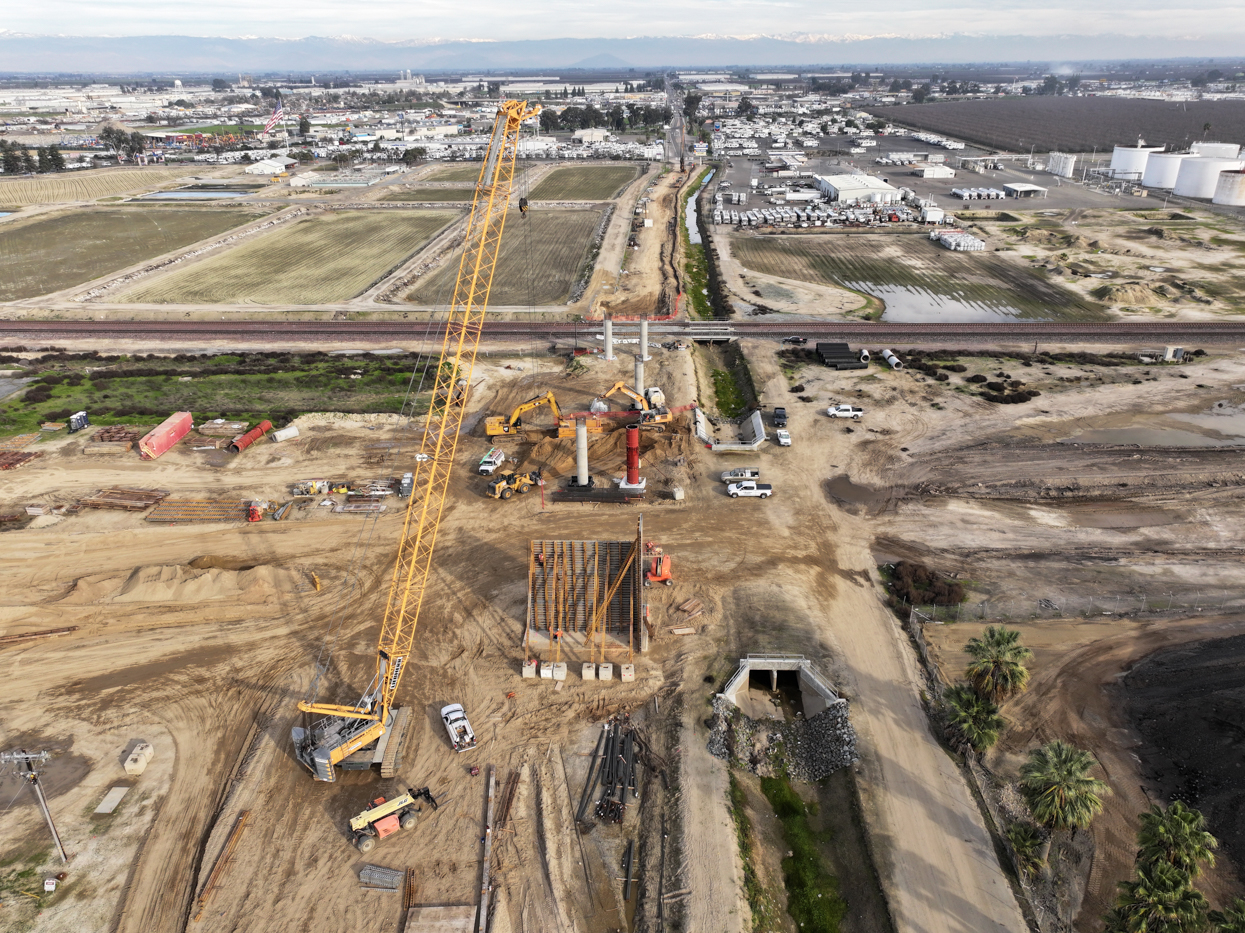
[644, 339]
[581, 452]
[609, 337]
[639, 374]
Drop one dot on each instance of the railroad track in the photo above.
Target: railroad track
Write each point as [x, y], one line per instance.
[276, 332]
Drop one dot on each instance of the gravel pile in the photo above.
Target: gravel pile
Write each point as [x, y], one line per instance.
[807, 749]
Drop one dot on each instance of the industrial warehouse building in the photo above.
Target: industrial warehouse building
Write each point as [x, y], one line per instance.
[863, 188]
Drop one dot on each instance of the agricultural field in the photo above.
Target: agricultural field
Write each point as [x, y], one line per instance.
[542, 256]
[583, 183]
[917, 280]
[251, 387]
[430, 194]
[467, 171]
[52, 252]
[329, 257]
[1075, 124]
[84, 186]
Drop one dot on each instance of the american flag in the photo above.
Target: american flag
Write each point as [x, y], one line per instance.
[277, 114]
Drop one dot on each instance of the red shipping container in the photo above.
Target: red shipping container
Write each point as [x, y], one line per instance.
[175, 427]
[244, 441]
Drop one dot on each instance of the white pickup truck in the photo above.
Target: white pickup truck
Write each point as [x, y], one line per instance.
[845, 411]
[750, 488]
[491, 461]
[461, 735]
[735, 475]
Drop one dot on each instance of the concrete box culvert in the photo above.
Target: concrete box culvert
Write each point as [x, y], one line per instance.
[815, 691]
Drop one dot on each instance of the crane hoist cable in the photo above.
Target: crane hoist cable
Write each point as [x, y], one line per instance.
[341, 731]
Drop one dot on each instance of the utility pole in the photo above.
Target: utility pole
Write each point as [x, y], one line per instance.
[26, 767]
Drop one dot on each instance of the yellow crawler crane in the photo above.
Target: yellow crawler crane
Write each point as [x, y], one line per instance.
[371, 731]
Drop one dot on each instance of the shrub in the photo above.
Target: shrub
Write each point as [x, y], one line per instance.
[979, 378]
[918, 585]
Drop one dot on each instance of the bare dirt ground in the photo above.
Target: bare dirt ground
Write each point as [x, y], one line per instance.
[201, 639]
[643, 284]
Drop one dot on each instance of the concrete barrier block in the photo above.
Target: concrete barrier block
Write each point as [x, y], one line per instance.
[590, 671]
[605, 672]
[627, 672]
[529, 668]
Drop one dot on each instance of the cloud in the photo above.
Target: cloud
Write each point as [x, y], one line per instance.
[547, 19]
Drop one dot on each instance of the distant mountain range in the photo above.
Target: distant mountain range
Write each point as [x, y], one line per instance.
[25, 54]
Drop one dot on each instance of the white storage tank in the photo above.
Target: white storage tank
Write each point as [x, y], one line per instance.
[1162, 169]
[1216, 150]
[1131, 160]
[1230, 189]
[1199, 175]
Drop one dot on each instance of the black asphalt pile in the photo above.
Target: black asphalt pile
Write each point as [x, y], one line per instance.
[806, 749]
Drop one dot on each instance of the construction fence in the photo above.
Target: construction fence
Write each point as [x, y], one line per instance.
[1063, 606]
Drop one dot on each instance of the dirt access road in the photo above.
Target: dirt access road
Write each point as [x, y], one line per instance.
[934, 855]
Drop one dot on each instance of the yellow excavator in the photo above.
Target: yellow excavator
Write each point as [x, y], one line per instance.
[370, 731]
[639, 402]
[501, 426]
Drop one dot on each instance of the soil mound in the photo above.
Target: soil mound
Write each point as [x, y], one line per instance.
[1131, 293]
[179, 583]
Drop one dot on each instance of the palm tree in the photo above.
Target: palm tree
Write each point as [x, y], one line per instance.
[996, 670]
[1231, 920]
[1056, 782]
[1176, 836]
[1027, 842]
[972, 718]
[1160, 900]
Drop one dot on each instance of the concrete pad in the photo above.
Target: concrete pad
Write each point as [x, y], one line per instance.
[111, 799]
[440, 919]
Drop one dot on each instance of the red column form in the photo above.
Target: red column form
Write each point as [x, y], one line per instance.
[633, 455]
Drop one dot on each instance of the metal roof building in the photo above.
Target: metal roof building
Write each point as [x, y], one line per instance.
[857, 187]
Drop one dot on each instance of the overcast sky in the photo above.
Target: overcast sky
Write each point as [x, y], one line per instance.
[550, 19]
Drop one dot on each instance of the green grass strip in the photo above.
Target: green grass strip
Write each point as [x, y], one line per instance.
[813, 899]
[731, 401]
[759, 902]
[695, 266]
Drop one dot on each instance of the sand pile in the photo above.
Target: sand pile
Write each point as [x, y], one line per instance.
[179, 583]
[1129, 293]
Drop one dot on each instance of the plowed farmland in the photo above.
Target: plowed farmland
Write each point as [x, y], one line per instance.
[542, 256]
[430, 194]
[55, 252]
[1076, 124]
[326, 258]
[83, 186]
[917, 280]
[583, 183]
[468, 171]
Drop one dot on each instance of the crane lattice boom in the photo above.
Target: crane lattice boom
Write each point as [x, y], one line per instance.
[346, 729]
